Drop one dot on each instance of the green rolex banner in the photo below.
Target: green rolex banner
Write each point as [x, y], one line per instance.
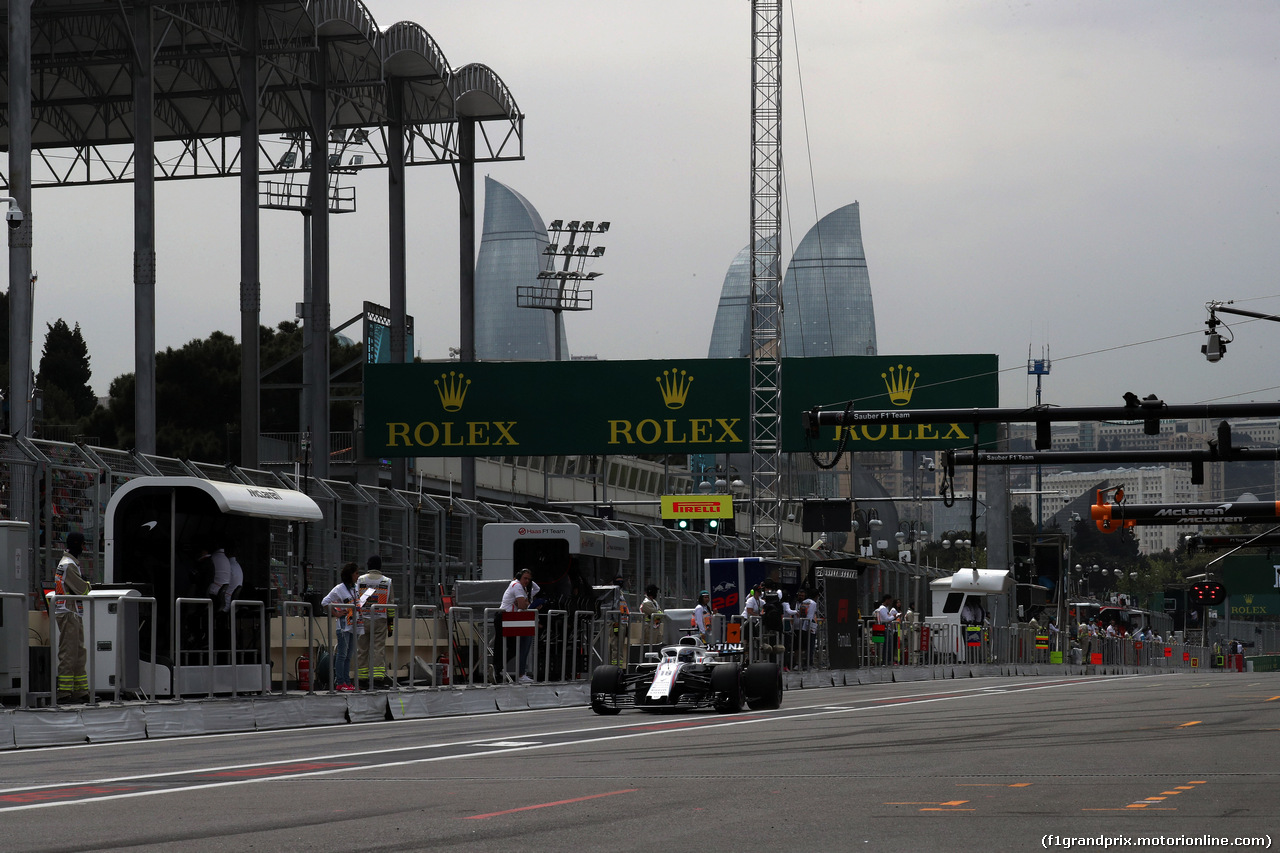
[644, 407]
[556, 408]
[1253, 586]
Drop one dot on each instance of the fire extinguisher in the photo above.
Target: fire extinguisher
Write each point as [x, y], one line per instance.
[304, 672]
[444, 668]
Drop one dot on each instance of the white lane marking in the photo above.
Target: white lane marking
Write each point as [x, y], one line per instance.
[819, 711]
[510, 743]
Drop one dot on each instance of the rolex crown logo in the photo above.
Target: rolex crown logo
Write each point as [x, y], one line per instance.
[901, 383]
[452, 388]
[1248, 598]
[675, 387]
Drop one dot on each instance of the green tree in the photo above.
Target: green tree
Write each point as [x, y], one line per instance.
[64, 375]
[198, 395]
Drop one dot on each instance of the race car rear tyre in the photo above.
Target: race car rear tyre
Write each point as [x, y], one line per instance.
[606, 679]
[726, 683]
[762, 682]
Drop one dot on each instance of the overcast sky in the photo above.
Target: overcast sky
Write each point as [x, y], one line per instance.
[1082, 176]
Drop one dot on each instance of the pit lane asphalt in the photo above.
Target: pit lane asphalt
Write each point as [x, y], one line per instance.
[982, 764]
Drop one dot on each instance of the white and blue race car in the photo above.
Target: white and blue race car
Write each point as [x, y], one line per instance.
[688, 675]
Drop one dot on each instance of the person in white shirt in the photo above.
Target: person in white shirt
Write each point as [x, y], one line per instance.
[341, 603]
[884, 616]
[221, 572]
[701, 620]
[806, 627]
[235, 578]
[519, 596]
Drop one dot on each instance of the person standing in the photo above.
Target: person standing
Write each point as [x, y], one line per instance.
[884, 618]
[218, 589]
[373, 594]
[221, 574]
[621, 628]
[519, 597]
[701, 620]
[651, 615]
[753, 607]
[806, 628]
[73, 682]
[341, 602]
[235, 577]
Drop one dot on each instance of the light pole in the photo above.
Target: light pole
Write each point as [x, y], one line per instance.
[560, 289]
[958, 539]
[867, 521]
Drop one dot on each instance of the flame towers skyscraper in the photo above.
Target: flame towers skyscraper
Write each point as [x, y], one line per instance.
[826, 296]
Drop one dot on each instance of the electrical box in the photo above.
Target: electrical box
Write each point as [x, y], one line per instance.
[16, 583]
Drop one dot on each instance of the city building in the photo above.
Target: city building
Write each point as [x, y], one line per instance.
[1163, 485]
[826, 296]
[511, 256]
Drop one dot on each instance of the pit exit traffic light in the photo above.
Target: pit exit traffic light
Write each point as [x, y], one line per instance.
[1207, 593]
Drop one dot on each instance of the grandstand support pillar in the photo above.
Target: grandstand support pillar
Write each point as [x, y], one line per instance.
[20, 295]
[144, 231]
[467, 268]
[250, 234]
[318, 194]
[396, 247]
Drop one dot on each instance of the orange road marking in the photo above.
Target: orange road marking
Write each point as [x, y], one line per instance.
[1171, 792]
[992, 785]
[954, 803]
[1161, 809]
[1192, 723]
[1272, 699]
[948, 810]
[1196, 782]
[546, 805]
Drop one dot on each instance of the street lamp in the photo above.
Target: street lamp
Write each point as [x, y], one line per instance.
[911, 536]
[714, 480]
[867, 521]
[561, 289]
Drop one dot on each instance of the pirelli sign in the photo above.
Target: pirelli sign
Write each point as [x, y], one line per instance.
[697, 506]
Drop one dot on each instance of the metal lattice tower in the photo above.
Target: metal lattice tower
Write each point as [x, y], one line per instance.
[766, 278]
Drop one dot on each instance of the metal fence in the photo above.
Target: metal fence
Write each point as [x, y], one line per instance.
[427, 542]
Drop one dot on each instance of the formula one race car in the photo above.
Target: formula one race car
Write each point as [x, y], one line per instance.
[688, 675]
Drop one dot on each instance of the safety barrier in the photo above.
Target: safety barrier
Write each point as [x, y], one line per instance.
[462, 625]
[933, 644]
[285, 608]
[566, 647]
[179, 653]
[423, 612]
[86, 604]
[234, 610]
[24, 674]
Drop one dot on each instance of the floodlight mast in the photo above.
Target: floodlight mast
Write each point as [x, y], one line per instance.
[766, 264]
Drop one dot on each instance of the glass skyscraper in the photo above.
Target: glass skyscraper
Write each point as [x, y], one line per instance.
[731, 334]
[511, 256]
[826, 296]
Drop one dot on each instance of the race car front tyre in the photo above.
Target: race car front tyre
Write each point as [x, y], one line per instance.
[726, 684]
[606, 679]
[762, 682]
